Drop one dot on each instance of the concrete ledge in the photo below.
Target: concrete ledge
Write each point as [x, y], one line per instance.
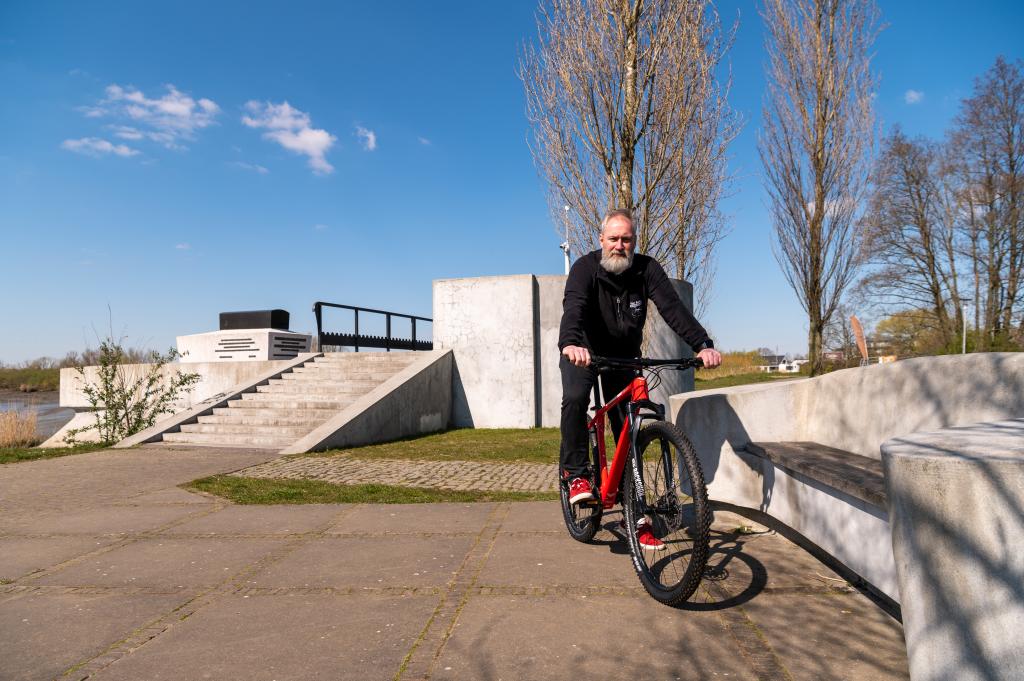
[956, 498]
[175, 421]
[416, 400]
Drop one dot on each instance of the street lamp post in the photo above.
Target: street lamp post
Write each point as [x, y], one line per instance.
[565, 244]
[964, 302]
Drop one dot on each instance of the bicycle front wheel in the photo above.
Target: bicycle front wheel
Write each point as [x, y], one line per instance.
[666, 492]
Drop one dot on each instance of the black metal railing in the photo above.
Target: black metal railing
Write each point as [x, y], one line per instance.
[357, 340]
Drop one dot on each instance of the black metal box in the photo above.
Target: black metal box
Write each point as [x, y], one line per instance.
[254, 319]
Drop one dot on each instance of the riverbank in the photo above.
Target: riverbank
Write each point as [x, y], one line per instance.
[50, 416]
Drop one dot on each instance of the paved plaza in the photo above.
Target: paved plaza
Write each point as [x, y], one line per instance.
[110, 571]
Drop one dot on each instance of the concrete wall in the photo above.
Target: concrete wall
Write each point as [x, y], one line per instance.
[504, 333]
[956, 497]
[858, 409]
[215, 377]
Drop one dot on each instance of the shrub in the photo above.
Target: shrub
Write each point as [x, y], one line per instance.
[124, 405]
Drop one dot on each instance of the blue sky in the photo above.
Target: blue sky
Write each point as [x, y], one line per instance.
[148, 163]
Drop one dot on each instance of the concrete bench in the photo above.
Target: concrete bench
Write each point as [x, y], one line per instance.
[806, 453]
[858, 476]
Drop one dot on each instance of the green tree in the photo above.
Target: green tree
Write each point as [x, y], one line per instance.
[126, 402]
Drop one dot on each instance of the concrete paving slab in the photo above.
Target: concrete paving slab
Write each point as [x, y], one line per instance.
[555, 562]
[372, 562]
[770, 561]
[165, 563]
[172, 495]
[20, 556]
[411, 518]
[102, 520]
[275, 520]
[45, 634]
[831, 637]
[283, 638]
[613, 637]
[535, 516]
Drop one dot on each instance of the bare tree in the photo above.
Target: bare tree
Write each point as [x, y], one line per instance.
[627, 111]
[989, 134]
[817, 134]
[911, 233]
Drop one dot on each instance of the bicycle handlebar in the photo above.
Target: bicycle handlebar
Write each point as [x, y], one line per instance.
[641, 362]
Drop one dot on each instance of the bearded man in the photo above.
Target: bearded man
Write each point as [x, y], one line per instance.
[603, 312]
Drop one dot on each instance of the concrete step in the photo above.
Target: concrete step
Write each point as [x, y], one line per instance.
[338, 375]
[294, 432]
[303, 396]
[261, 441]
[268, 417]
[367, 359]
[320, 379]
[283, 402]
[314, 389]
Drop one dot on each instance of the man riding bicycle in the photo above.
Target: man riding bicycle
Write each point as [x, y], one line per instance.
[603, 311]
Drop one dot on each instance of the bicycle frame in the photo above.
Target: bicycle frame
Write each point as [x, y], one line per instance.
[638, 398]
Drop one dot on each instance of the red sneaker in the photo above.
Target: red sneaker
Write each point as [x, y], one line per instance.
[644, 536]
[579, 490]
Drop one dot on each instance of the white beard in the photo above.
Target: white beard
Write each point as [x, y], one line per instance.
[616, 264]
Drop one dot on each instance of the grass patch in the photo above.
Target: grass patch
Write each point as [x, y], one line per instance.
[742, 379]
[29, 380]
[276, 491]
[17, 454]
[522, 445]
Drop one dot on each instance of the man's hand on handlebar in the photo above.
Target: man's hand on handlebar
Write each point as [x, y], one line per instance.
[711, 357]
[577, 355]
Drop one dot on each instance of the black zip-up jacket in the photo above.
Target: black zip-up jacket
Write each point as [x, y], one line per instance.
[605, 312]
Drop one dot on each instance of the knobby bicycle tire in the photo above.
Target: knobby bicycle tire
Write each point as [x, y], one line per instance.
[677, 508]
[582, 520]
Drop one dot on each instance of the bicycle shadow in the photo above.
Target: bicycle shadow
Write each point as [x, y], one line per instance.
[732, 577]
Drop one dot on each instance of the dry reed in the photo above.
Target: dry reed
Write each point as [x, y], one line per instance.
[18, 428]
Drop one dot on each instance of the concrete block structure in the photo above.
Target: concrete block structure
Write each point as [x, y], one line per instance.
[854, 410]
[956, 499]
[243, 345]
[504, 334]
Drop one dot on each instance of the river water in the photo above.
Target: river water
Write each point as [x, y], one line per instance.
[50, 416]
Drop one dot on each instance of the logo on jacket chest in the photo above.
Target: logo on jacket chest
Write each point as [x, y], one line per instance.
[636, 307]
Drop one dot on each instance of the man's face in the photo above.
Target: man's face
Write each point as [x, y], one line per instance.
[617, 245]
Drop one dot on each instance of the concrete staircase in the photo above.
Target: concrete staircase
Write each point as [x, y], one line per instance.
[292, 405]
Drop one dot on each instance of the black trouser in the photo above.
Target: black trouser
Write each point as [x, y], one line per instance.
[577, 386]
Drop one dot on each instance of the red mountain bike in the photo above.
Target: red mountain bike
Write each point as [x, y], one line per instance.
[661, 481]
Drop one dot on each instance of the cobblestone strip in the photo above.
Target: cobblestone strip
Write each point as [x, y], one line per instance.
[455, 475]
[428, 646]
[232, 584]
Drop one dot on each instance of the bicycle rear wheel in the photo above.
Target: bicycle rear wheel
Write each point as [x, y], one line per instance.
[582, 520]
[674, 499]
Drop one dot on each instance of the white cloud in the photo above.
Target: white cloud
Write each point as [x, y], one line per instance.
[913, 96]
[320, 227]
[94, 146]
[166, 120]
[293, 130]
[183, 246]
[251, 166]
[368, 137]
[424, 141]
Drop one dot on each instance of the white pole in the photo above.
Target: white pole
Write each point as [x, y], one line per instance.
[963, 311]
[565, 248]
